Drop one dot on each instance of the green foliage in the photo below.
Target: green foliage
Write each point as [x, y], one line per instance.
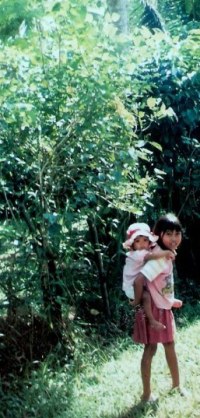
[193, 9]
[174, 114]
[69, 148]
[92, 124]
[16, 17]
[47, 393]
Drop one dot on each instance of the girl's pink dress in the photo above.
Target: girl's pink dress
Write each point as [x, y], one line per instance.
[160, 284]
[145, 334]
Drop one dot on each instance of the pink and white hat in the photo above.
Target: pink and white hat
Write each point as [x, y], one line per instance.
[137, 229]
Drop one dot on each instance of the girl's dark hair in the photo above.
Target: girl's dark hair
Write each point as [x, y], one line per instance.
[164, 223]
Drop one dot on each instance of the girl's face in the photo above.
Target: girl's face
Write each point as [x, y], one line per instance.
[171, 239]
[141, 243]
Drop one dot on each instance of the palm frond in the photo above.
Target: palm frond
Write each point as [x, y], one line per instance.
[151, 17]
[166, 15]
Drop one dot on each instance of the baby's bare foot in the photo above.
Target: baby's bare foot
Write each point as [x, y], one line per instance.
[157, 325]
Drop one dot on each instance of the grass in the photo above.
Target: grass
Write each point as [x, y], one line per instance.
[113, 389]
[104, 382]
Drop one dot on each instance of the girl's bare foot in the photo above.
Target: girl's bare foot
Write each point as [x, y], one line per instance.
[179, 390]
[157, 325]
[151, 398]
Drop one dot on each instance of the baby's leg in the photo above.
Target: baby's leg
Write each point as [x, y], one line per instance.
[146, 300]
[138, 289]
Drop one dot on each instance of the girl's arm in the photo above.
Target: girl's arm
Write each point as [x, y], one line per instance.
[159, 254]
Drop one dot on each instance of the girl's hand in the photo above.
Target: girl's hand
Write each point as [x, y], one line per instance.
[177, 303]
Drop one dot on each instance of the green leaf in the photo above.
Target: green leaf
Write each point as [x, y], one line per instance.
[188, 6]
[151, 102]
[115, 17]
[56, 7]
[156, 145]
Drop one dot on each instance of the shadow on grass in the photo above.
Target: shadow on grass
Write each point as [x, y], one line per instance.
[138, 411]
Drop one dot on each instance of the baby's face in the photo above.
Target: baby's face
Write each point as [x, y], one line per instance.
[141, 243]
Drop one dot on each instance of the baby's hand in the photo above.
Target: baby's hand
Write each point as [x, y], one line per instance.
[177, 303]
[169, 255]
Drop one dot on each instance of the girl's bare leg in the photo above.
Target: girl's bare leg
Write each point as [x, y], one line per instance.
[149, 352]
[172, 363]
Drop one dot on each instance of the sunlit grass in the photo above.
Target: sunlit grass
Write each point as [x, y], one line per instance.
[113, 389]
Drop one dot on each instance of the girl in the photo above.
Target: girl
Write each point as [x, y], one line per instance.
[157, 277]
[141, 244]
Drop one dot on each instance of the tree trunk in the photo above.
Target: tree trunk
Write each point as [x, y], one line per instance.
[120, 7]
[99, 264]
[49, 281]
[51, 292]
